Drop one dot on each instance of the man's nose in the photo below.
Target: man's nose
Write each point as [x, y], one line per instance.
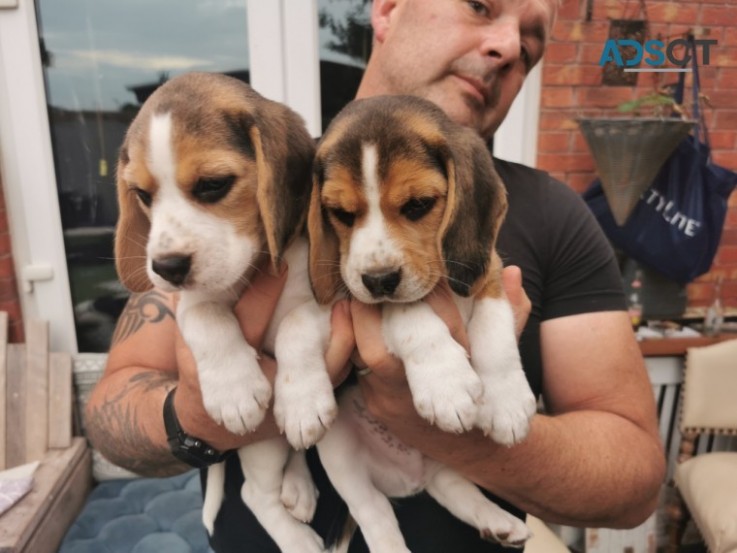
[502, 42]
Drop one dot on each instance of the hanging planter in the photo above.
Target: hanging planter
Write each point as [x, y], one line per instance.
[628, 153]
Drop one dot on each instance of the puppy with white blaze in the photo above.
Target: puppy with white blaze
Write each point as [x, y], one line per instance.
[402, 199]
[214, 181]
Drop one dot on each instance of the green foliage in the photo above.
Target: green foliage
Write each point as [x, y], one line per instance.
[657, 104]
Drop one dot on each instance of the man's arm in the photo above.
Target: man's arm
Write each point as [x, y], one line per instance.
[596, 460]
[148, 358]
[123, 415]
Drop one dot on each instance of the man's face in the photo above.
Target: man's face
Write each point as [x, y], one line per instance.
[468, 57]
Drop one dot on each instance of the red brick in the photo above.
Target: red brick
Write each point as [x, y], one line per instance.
[7, 268]
[8, 289]
[553, 142]
[731, 218]
[554, 120]
[729, 237]
[672, 12]
[725, 120]
[565, 162]
[725, 158]
[5, 245]
[699, 294]
[571, 75]
[561, 52]
[581, 31]
[558, 97]
[726, 16]
[606, 97]
[727, 255]
[570, 9]
[727, 78]
[723, 140]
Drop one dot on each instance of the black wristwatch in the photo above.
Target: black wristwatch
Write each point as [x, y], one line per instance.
[193, 451]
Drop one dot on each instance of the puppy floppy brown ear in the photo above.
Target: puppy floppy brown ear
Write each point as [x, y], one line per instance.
[475, 208]
[131, 235]
[284, 155]
[324, 261]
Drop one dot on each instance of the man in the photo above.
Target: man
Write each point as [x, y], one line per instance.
[594, 460]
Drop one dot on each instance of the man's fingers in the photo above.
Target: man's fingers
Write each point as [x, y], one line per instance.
[521, 304]
[441, 301]
[342, 342]
[256, 306]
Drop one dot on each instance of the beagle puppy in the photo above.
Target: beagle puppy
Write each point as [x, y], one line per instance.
[402, 199]
[214, 180]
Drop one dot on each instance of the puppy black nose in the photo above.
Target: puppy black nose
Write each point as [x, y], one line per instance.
[173, 268]
[382, 284]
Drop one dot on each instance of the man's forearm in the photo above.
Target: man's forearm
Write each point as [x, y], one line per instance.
[583, 468]
[124, 421]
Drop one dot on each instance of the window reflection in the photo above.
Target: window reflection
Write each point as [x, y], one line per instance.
[345, 45]
[101, 60]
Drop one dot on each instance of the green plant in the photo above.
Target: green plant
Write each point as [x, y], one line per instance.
[657, 104]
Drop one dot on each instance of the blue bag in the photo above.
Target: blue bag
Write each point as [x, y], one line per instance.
[676, 226]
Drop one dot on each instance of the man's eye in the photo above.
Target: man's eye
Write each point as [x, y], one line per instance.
[211, 190]
[417, 208]
[526, 58]
[345, 217]
[144, 196]
[478, 7]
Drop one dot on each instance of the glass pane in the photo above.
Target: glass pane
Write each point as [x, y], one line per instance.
[102, 59]
[345, 45]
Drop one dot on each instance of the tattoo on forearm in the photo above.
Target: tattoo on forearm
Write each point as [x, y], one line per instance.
[115, 429]
[148, 307]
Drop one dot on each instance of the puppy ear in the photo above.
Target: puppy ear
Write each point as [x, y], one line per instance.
[283, 160]
[131, 235]
[324, 250]
[475, 208]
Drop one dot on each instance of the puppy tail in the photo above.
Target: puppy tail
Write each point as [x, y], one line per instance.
[344, 541]
[214, 493]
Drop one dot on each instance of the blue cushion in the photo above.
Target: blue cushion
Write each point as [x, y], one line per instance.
[144, 515]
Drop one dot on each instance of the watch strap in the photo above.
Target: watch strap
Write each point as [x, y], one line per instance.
[189, 449]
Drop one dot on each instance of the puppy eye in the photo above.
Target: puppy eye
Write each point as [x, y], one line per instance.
[211, 190]
[416, 208]
[144, 196]
[345, 217]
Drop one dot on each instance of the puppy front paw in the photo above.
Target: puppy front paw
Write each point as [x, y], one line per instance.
[236, 397]
[506, 408]
[304, 409]
[446, 390]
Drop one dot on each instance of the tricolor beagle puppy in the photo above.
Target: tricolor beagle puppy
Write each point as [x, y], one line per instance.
[403, 198]
[214, 180]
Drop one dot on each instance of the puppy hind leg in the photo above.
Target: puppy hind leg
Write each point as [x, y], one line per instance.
[345, 463]
[298, 492]
[214, 494]
[465, 501]
[263, 466]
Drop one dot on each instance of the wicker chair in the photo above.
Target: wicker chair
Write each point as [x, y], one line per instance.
[706, 484]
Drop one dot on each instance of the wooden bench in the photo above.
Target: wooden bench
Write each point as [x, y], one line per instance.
[36, 397]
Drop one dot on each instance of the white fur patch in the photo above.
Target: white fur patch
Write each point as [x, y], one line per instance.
[372, 249]
[179, 227]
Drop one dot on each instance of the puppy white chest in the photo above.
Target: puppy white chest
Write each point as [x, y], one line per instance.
[396, 469]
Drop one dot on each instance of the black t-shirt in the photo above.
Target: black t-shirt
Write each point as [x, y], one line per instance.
[568, 268]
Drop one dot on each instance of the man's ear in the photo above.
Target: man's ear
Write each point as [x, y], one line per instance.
[381, 15]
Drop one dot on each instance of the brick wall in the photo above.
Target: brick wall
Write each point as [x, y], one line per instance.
[9, 300]
[572, 87]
